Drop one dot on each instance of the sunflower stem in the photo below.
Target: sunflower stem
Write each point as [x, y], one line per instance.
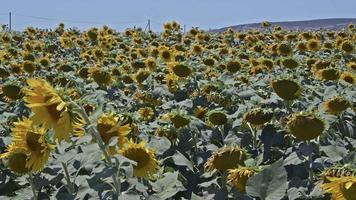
[67, 177]
[223, 182]
[95, 133]
[254, 135]
[310, 165]
[30, 180]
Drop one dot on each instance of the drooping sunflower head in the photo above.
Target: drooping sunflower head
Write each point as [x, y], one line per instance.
[181, 70]
[200, 112]
[145, 158]
[11, 90]
[290, 63]
[217, 117]
[17, 159]
[110, 126]
[286, 89]
[100, 76]
[305, 126]
[258, 117]
[284, 49]
[341, 188]
[233, 66]
[336, 105]
[328, 74]
[329, 174]
[31, 138]
[49, 108]
[238, 177]
[167, 131]
[226, 158]
[179, 119]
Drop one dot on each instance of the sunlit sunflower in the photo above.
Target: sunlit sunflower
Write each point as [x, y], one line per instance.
[343, 188]
[290, 63]
[347, 46]
[226, 158]
[352, 65]
[50, 110]
[348, 77]
[305, 126]
[238, 177]
[110, 126]
[165, 54]
[146, 113]
[336, 105]
[328, 74]
[336, 172]
[181, 70]
[100, 76]
[313, 45]
[147, 164]
[284, 49]
[16, 160]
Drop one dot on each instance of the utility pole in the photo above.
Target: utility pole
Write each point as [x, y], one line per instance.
[10, 21]
[149, 25]
[184, 28]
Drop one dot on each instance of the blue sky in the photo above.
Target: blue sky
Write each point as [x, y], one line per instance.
[202, 13]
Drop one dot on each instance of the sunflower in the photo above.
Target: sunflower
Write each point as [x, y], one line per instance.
[258, 117]
[197, 49]
[179, 120]
[343, 188]
[50, 110]
[147, 164]
[151, 63]
[200, 112]
[165, 54]
[30, 138]
[336, 172]
[290, 63]
[110, 126]
[181, 70]
[286, 89]
[146, 113]
[17, 160]
[11, 90]
[352, 65]
[233, 66]
[238, 177]
[217, 117]
[305, 126]
[348, 77]
[328, 74]
[100, 76]
[313, 45]
[336, 105]
[226, 158]
[284, 49]
[347, 46]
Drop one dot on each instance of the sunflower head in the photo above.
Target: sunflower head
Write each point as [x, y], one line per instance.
[200, 112]
[197, 49]
[179, 120]
[336, 105]
[12, 91]
[168, 132]
[100, 76]
[347, 46]
[284, 49]
[226, 158]
[313, 45]
[328, 74]
[348, 77]
[305, 126]
[217, 117]
[146, 113]
[17, 160]
[110, 126]
[336, 172]
[290, 63]
[286, 89]
[29, 66]
[258, 117]
[351, 65]
[181, 70]
[233, 66]
[146, 163]
[165, 54]
[341, 188]
[238, 177]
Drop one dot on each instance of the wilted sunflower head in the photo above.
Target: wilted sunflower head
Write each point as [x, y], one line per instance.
[17, 161]
[233, 66]
[11, 90]
[110, 126]
[226, 158]
[336, 105]
[178, 119]
[217, 117]
[341, 188]
[50, 109]
[258, 116]
[284, 49]
[305, 126]
[336, 172]
[145, 158]
[238, 177]
[286, 89]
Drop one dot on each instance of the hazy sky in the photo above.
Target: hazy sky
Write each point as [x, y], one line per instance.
[203, 13]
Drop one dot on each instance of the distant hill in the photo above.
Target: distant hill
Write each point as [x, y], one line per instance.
[334, 24]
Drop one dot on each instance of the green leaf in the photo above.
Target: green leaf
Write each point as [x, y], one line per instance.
[180, 160]
[335, 153]
[269, 184]
[168, 186]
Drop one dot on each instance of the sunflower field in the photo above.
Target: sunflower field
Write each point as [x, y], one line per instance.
[263, 114]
